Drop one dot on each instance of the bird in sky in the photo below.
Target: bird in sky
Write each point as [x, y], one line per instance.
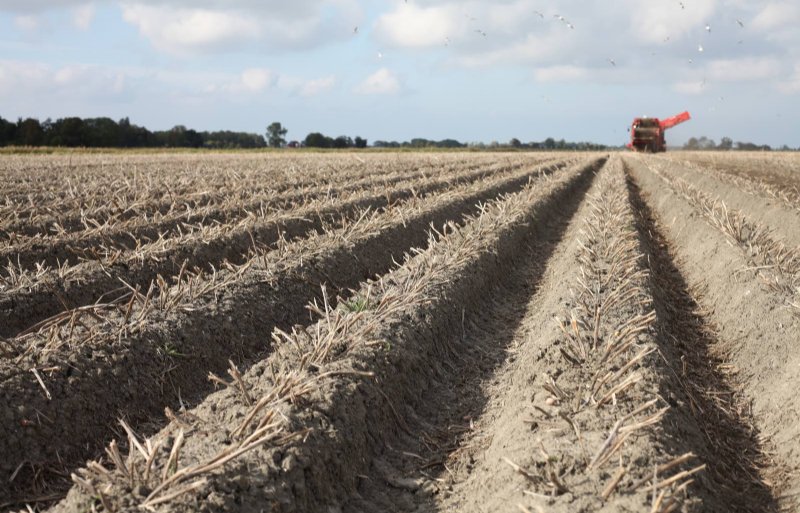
[700, 48]
[570, 25]
[355, 30]
[538, 14]
[740, 22]
[479, 31]
[612, 61]
[708, 27]
[447, 41]
[682, 6]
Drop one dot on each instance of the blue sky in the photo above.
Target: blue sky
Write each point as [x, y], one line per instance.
[394, 70]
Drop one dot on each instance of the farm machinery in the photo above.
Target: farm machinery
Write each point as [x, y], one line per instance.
[647, 134]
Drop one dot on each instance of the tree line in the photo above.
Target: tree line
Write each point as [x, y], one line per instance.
[104, 132]
[726, 143]
[107, 133]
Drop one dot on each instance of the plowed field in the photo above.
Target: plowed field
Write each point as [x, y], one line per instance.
[400, 332]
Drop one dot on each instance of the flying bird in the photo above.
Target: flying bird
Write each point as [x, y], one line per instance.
[538, 14]
[740, 22]
[699, 48]
[613, 63]
[570, 25]
[682, 6]
[447, 41]
[355, 30]
[479, 31]
[708, 27]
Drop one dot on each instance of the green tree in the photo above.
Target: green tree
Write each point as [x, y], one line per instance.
[276, 135]
[317, 140]
[29, 132]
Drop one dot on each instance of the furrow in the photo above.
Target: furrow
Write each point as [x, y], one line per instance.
[577, 418]
[754, 338]
[779, 213]
[306, 422]
[199, 183]
[137, 358]
[776, 171]
[80, 232]
[33, 299]
[709, 414]
[769, 256]
[53, 251]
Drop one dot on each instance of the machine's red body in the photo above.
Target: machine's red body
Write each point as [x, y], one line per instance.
[647, 134]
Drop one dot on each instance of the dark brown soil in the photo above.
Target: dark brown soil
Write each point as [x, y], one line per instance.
[754, 333]
[465, 369]
[355, 420]
[95, 281]
[166, 364]
[709, 411]
[77, 245]
[759, 208]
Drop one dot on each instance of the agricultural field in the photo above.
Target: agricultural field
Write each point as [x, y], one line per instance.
[420, 332]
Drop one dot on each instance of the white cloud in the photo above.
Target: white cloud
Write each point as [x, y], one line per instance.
[746, 69]
[560, 73]
[689, 87]
[27, 22]
[382, 81]
[74, 80]
[257, 79]
[792, 84]
[318, 86]
[183, 27]
[249, 81]
[82, 16]
[413, 26]
[184, 30]
[777, 15]
[653, 22]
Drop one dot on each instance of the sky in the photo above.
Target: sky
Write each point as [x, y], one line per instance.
[476, 71]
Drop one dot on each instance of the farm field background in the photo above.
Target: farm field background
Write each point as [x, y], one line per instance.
[365, 331]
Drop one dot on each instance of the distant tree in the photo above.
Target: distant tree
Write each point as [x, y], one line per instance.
[29, 132]
[706, 143]
[342, 142]
[176, 137]
[549, 143]
[726, 143]
[317, 140]
[515, 143]
[276, 135]
[692, 144]
[449, 143]
[360, 143]
[102, 133]
[8, 132]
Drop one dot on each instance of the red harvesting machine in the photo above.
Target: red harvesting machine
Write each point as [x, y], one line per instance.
[647, 134]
